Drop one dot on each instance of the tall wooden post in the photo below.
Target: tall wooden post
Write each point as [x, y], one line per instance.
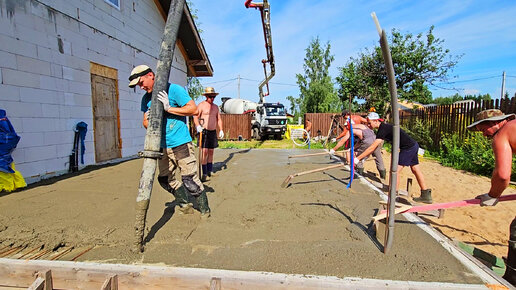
[151, 151]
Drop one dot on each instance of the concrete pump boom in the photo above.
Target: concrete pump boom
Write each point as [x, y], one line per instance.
[265, 13]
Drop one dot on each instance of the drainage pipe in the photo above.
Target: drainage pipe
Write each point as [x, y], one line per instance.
[151, 151]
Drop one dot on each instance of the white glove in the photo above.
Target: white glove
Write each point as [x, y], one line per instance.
[163, 97]
[356, 160]
[486, 200]
[332, 152]
[221, 134]
[199, 128]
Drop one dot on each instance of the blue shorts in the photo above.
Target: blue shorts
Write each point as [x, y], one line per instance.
[408, 157]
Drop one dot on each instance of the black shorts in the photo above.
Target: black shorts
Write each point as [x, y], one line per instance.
[408, 157]
[209, 139]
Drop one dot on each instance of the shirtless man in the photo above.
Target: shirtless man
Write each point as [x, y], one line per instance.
[500, 128]
[206, 121]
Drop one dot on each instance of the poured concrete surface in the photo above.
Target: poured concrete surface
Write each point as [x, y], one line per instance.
[315, 226]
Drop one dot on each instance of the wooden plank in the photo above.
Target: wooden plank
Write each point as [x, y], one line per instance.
[47, 277]
[453, 204]
[77, 275]
[38, 284]
[215, 283]
[111, 283]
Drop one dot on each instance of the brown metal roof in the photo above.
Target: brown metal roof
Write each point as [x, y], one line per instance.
[189, 42]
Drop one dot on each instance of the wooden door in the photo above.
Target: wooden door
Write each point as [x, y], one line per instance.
[105, 118]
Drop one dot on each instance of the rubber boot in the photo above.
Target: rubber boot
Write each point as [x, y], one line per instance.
[182, 200]
[426, 196]
[510, 263]
[201, 202]
[383, 173]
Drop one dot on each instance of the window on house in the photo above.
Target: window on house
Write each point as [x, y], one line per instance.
[115, 3]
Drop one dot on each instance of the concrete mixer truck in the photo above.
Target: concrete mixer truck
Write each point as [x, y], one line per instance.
[268, 119]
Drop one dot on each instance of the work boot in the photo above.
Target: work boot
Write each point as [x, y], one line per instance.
[510, 263]
[201, 204]
[205, 178]
[383, 173]
[182, 201]
[426, 196]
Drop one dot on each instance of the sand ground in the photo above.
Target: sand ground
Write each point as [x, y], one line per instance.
[486, 228]
[314, 226]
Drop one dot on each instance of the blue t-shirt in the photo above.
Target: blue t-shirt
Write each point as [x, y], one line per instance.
[175, 132]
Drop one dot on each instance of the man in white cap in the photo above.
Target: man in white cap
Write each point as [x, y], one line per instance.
[408, 153]
[175, 139]
[208, 114]
[501, 128]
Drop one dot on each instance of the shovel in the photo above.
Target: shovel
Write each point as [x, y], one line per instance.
[287, 180]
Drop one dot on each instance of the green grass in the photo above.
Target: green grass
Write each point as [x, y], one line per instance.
[269, 144]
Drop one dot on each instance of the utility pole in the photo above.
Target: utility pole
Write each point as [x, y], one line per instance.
[503, 86]
[239, 86]
[151, 151]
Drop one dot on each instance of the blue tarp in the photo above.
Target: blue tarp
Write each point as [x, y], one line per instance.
[8, 141]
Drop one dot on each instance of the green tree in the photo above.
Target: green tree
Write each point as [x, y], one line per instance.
[318, 94]
[418, 61]
[195, 88]
[193, 84]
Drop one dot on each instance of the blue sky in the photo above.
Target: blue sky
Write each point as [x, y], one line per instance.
[483, 31]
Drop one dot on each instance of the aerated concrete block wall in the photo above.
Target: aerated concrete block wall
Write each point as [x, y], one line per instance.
[46, 47]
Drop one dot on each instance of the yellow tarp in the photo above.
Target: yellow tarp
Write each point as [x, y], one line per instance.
[290, 127]
[11, 181]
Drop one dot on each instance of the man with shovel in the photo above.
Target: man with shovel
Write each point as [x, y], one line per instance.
[366, 137]
[408, 153]
[175, 140]
[209, 113]
[501, 129]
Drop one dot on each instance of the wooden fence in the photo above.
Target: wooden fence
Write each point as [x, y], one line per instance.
[449, 119]
[321, 123]
[234, 125]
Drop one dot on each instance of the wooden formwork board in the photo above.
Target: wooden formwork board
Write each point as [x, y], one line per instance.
[78, 275]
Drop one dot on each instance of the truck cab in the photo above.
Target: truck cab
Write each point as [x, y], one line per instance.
[270, 121]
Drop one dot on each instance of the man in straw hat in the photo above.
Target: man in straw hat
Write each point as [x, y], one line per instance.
[175, 140]
[208, 112]
[408, 153]
[501, 128]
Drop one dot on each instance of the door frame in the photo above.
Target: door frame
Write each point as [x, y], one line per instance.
[110, 73]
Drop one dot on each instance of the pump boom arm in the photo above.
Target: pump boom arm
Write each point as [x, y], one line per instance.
[265, 13]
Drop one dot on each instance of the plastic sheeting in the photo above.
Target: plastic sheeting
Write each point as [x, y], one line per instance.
[11, 181]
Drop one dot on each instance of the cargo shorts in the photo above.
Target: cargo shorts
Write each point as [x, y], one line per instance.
[183, 158]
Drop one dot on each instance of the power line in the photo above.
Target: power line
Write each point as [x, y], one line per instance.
[471, 80]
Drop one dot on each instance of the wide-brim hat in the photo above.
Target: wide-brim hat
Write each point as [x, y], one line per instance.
[489, 115]
[136, 73]
[209, 91]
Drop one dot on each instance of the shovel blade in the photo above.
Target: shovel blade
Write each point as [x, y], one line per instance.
[287, 181]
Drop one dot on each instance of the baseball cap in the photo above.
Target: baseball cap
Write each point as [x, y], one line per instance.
[136, 73]
[373, 116]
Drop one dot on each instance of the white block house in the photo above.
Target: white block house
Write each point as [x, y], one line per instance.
[63, 62]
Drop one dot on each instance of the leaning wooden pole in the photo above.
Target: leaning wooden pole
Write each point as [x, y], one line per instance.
[151, 152]
[391, 200]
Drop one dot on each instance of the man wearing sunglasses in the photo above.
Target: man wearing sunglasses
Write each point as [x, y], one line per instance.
[175, 140]
[206, 121]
